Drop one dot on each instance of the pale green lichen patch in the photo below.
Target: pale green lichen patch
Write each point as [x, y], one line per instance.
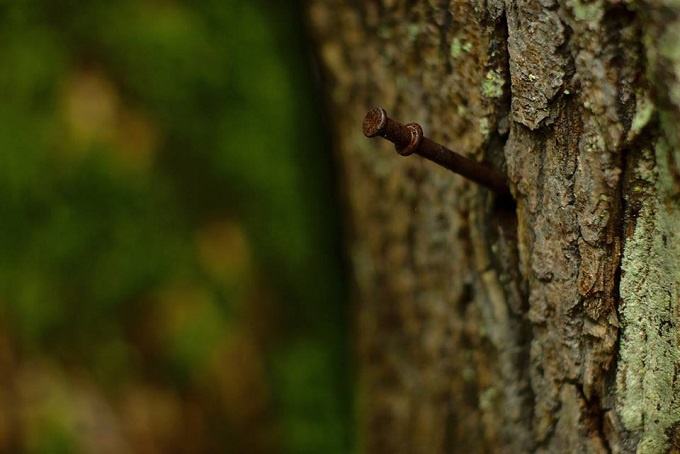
[492, 85]
[487, 398]
[461, 110]
[587, 11]
[456, 48]
[669, 49]
[413, 31]
[650, 288]
[484, 126]
[644, 109]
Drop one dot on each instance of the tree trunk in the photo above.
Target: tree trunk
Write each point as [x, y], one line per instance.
[549, 326]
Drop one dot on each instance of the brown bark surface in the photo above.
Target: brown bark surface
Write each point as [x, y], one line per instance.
[549, 326]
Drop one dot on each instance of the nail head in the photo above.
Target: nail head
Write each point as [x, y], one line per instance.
[374, 122]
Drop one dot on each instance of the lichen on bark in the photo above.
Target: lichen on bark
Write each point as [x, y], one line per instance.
[488, 330]
[648, 390]
[647, 382]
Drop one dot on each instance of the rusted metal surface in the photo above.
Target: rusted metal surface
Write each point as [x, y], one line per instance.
[409, 139]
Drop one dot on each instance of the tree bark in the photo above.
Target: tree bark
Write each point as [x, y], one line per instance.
[549, 326]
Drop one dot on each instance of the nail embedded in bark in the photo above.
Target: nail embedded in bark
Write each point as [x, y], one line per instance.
[409, 139]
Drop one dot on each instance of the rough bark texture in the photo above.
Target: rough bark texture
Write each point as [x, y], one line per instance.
[549, 326]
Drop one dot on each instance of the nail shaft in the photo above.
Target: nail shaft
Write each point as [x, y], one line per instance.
[409, 139]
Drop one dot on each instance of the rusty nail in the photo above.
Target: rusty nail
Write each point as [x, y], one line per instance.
[409, 139]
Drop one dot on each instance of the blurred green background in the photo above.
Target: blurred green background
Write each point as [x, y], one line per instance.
[170, 276]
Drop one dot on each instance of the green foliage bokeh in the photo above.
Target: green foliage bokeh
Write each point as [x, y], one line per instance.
[100, 272]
